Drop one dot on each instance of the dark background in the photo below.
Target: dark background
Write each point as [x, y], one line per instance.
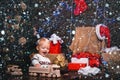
[48, 17]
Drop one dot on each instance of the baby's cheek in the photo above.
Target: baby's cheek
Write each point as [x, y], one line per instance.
[48, 50]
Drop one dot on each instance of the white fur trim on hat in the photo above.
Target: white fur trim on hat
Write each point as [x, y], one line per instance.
[98, 32]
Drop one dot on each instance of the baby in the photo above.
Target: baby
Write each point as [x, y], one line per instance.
[40, 59]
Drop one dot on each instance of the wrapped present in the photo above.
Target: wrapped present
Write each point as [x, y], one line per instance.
[78, 62]
[90, 59]
[76, 66]
[81, 60]
[55, 48]
[55, 44]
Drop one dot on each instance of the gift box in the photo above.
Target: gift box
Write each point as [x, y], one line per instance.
[55, 44]
[90, 59]
[76, 66]
[55, 48]
[81, 60]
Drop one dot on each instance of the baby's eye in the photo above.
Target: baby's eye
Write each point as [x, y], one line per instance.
[43, 47]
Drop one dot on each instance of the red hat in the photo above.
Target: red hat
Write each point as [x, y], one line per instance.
[103, 32]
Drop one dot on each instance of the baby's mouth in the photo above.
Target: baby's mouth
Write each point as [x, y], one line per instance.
[45, 52]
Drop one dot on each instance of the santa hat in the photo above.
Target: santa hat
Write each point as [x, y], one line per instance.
[103, 32]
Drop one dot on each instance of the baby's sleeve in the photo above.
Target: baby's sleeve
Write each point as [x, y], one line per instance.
[35, 60]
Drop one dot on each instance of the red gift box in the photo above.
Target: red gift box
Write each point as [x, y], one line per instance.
[55, 48]
[94, 59]
[76, 66]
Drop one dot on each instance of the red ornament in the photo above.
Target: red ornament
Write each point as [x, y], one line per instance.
[81, 6]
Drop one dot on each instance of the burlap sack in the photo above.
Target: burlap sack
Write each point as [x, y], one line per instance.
[112, 56]
[113, 60]
[85, 40]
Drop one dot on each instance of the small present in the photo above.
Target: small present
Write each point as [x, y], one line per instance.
[76, 66]
[78, 63]
[55, 44]
[81, 60]
[91, 59]
[55, 48]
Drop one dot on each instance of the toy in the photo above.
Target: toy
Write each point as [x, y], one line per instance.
[14, 70]
[48, 71]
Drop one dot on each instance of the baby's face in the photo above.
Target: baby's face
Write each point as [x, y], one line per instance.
[43, 48]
